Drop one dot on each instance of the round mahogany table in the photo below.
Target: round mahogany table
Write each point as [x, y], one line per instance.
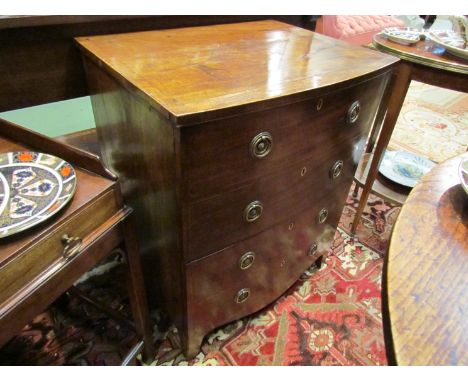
[425, 299]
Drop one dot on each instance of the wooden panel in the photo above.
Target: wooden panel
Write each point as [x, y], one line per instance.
[139, 146]
[281, 256]
[196, 74]
[40, 64]
[30, 262]
[216, 156]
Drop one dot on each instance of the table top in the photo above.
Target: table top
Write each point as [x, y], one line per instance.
[425, 52]
[427, 272]
[223, 68]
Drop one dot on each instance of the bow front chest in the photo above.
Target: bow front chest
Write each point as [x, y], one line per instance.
[236, 145]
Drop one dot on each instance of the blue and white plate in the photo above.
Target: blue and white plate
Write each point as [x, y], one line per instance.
[33, 187]
[404, 167]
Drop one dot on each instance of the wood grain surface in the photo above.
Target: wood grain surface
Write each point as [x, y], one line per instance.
[427, 272]
[192, 74]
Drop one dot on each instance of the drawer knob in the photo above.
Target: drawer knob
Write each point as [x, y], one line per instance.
[312, 250]
[71, 246]
[246, 260]
[242, 295]
[336, 169]
[323, 215]
[253, 211]
[261, 145]
[353, 112]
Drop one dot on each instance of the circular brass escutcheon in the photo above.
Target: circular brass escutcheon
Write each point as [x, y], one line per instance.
[353, 112]
[303, 171]
[246, 260]
[261, 145]
[336, 169]
[319, 104]
[323, 215]
[253, 211]
[312, 250]
[242, 295]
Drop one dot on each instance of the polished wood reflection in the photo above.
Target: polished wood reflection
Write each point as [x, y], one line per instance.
[427, 272]
[191, 74]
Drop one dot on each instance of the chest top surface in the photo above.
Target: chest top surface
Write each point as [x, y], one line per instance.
[194, 71]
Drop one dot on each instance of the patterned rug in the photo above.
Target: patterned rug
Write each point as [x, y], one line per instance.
[331, 316]
[433, 123]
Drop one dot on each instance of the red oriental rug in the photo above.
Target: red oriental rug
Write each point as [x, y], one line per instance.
[331, 316]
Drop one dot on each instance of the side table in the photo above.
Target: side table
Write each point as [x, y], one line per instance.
[424, 62]
[40, 264]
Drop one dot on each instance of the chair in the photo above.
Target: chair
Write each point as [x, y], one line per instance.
[357, 30]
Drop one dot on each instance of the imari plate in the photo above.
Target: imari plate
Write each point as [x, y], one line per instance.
[404, 167]
[33, 187]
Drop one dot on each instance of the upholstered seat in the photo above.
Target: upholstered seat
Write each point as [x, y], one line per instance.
[356, 29]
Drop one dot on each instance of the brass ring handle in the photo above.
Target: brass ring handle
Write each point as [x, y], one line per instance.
[253, 211]
[336, 169]
[72, 246]
[312, 250]
[261, 145]
[246, 260]
[242, 295]
[353, 112]
[323, 215]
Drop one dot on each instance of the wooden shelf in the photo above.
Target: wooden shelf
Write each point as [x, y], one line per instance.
[383, 187]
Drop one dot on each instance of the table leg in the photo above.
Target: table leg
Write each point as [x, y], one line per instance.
[397, 91]
[137, 293]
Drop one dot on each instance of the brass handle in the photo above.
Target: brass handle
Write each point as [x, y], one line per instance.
[246, 260]
[323, 215]
[72, 246]
[242, 295]
[336, 169]
[353, 112]
[261, 145]
[312, 250]
[253, 211]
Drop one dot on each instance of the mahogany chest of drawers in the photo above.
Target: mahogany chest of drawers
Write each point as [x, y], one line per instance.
[236, 145]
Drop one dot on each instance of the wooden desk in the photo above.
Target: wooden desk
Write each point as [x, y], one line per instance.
[36, 267]
[426, 273]
[423, 62]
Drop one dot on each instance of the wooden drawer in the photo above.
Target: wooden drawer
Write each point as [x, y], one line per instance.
[22, 269]
[281, 254]
[216, 156]
[218, 222]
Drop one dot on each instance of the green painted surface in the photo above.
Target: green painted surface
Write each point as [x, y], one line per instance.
[54, 119]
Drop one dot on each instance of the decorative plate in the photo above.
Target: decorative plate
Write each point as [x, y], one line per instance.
[451, 41]
[33, 187]
[405, 36]
[463, 174]
[404, 167]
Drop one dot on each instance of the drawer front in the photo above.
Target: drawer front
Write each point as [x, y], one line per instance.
[228, 284]
[220, 221]
[223, 155]
[27, 266]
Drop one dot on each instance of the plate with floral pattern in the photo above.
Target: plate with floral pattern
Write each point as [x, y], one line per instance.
[404, 167]
[451, 41]
[33, 187]
[405, 36]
